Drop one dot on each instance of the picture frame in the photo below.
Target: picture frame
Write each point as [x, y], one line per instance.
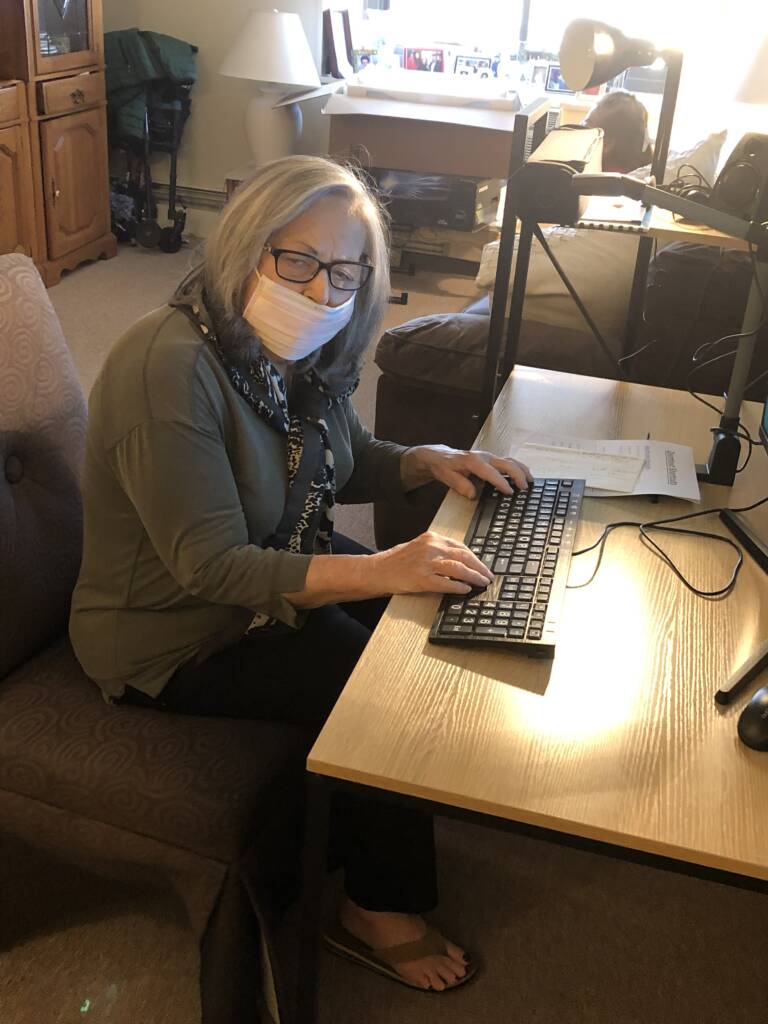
[361, 59]
[473, 65]
[555, 81]
[424, 58]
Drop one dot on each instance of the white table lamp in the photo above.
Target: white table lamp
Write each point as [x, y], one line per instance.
[272, 49]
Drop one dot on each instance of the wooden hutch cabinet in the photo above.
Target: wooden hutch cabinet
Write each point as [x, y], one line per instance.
[55, 47]
[17, 211]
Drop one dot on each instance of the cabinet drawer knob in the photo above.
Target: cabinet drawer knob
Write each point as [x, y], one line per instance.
[77, 96]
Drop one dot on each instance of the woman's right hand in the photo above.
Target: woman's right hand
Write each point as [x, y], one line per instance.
[431, 564]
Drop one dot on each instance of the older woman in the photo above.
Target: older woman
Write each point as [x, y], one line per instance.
[221, 434]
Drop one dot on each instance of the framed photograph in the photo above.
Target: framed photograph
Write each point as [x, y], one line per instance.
[480, 66]
[421, 58]
[361, 59]
[555, 81]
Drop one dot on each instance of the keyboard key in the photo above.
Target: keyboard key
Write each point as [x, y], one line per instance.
[490, 631]
[451, 620]
[515, 632]
[500, 565]
[534, 634]
[461, 630]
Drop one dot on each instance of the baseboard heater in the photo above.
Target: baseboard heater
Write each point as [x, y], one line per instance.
[192, 198]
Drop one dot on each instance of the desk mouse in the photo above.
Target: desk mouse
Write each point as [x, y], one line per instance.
[753, 721]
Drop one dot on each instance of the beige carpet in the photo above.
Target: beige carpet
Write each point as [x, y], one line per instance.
[565, 937]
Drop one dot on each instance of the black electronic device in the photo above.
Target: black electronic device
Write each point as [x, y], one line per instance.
[741, 187]
[543, 185]
[437, 200]
[753, 721]
[526, 540]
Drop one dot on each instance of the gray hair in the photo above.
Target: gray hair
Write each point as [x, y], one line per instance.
[272, 197]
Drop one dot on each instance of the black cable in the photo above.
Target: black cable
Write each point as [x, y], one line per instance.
[663, 526]
[708, 345]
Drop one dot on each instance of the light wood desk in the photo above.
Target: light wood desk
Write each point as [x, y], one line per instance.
[666, 228]
[618, 739]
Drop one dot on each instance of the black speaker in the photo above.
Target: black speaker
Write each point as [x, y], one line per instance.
[742, 186]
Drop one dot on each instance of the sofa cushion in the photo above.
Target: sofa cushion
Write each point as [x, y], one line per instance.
[446, 352]
[202, 784]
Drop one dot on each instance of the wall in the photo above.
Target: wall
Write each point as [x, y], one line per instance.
[120, 14]
[214, 138]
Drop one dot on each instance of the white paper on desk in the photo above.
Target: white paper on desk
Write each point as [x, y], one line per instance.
[600, 469]
[668, 468]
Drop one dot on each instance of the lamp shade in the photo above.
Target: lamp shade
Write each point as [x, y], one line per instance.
[592, 53]
[754, 88]
[272, 47]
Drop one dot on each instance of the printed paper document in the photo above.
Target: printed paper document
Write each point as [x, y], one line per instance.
[667, 469]
[599, 469]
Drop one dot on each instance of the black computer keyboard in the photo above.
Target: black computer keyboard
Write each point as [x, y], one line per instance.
[526, 540]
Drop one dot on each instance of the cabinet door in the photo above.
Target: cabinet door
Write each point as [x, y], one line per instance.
[74, 152]
[16, 210]
[65, 35]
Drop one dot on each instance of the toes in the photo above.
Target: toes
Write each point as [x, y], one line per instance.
[449, 970]
[456, 952]
[438, 983]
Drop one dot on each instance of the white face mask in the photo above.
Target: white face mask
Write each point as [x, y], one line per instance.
[289, 324]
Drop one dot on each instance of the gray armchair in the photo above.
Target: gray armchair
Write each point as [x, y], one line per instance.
[211, 807]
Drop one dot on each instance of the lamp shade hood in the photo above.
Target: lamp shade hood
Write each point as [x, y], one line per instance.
[592, 53]
[272, 47]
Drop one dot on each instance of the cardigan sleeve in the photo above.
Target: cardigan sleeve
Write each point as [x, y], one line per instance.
[376, 472]
[179, 479]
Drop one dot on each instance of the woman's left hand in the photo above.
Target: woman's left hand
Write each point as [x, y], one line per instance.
[456, 468]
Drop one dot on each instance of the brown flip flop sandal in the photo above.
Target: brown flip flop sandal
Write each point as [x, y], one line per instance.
[344, 943]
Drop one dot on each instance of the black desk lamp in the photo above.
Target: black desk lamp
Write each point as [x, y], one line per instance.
[592, 53]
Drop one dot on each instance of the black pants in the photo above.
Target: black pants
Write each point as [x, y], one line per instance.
[387, 851]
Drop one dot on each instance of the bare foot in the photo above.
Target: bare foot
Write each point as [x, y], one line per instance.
[381, 929]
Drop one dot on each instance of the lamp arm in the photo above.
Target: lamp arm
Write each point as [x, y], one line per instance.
[649, 195]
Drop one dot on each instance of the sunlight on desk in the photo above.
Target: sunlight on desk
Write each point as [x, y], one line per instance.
[597, 700]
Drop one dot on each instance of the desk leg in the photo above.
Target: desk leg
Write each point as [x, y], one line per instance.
[315, 862]
[637, 298]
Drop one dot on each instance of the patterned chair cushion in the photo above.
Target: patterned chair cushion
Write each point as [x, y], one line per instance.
[203, 784]
[42, 432]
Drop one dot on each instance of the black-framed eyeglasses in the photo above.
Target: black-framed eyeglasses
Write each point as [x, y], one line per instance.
[301, 268]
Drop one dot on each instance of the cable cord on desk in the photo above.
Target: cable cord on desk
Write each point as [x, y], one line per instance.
[662, 525]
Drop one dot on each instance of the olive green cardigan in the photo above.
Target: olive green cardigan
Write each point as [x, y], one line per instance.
[182, 484]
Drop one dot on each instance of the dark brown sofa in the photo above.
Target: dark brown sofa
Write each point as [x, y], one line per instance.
[211, 807]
